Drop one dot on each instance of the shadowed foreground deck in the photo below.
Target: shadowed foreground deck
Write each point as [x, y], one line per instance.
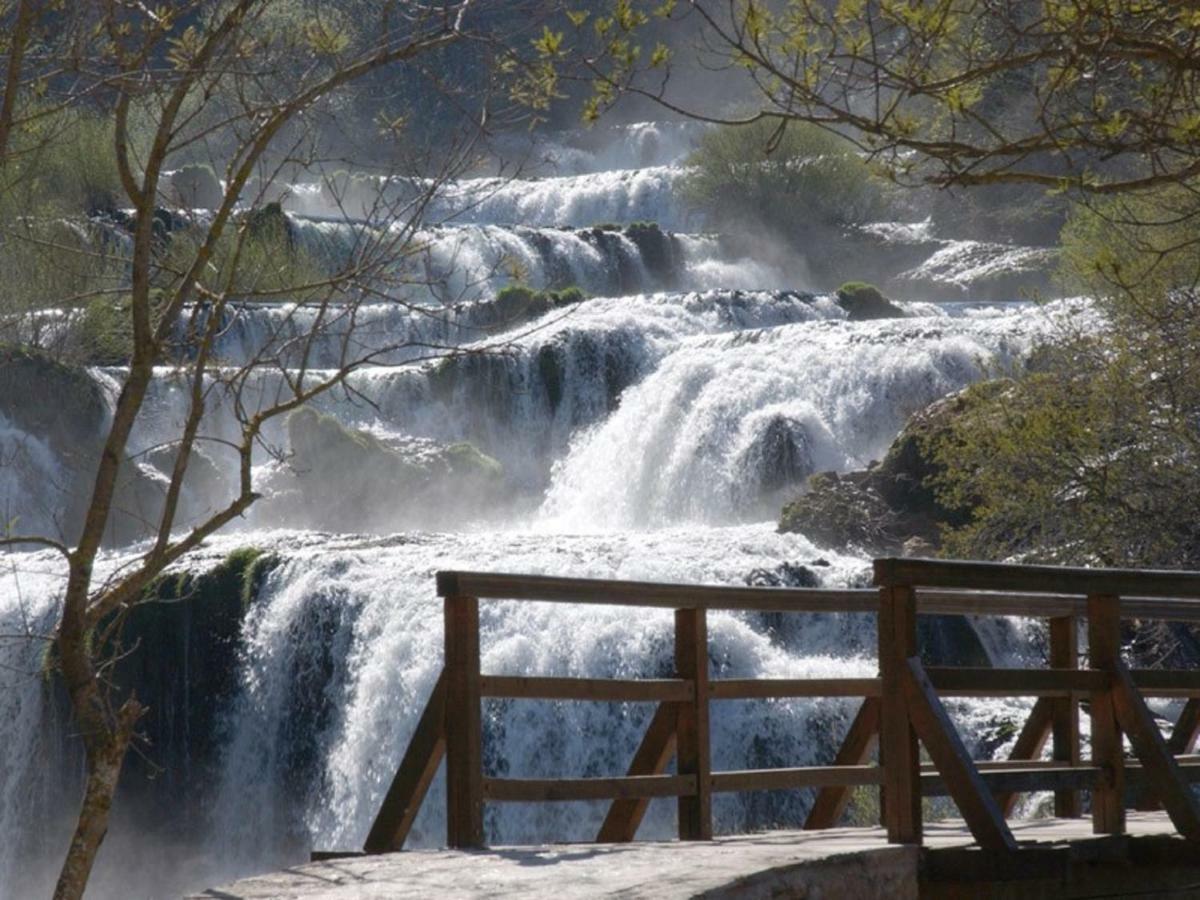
[835, 863]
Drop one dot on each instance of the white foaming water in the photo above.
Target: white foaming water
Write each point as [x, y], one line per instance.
[31, 479]
[621, 196]
[635, 146]
[964, 263]
[644, 429]
[681, 446]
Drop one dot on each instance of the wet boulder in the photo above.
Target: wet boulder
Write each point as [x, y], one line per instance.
[196, 187]
[863, 301]
[351, 480]
[892, 507]
[781, 454]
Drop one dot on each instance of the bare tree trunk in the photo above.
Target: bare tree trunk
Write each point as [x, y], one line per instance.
[105, 755]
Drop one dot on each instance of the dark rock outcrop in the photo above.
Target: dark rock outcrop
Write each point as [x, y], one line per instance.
[863, 301]
[893, 506]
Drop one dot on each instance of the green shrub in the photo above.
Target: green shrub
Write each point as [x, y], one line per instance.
[1092, 459]
[518, 302]
[67, 164]
[803, 180]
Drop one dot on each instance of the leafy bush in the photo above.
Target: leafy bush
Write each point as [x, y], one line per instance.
[1138, 254]
[518, 303]
[1092, 459]
[1093, 454]
[67, 164]
[259, 258]
[806, 179]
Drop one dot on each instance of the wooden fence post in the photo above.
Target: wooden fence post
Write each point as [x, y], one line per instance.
[693, 751]
[1108, 751]
[464, 729]
[1064, 654]
[898, 754]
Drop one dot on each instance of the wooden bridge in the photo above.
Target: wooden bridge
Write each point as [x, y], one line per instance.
[902, 707]
[902, 711]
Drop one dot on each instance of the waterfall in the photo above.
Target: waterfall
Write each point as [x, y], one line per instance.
[649, 427]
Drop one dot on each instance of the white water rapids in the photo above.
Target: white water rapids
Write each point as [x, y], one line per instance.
[632, 427]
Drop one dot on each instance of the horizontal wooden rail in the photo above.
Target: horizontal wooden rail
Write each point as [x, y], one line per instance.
[984, 576]
[750, 688]
[1167, 682]
[539, 790]
[790, 779]
[931, 600]
[648, 690]
[485, 585]
[962, 682]
[1021, 779]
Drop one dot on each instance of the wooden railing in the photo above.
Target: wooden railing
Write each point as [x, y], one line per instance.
[902, 707]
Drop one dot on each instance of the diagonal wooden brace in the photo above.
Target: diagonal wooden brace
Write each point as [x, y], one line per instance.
[653, 754]
[1167, 783]
[856, 748]
[417, 768]
[953, 762]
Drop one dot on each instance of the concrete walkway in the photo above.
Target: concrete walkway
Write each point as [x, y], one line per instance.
[838, 863]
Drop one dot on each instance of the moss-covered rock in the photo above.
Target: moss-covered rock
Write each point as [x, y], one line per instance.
[843, 512]
[865, 301]
[181, 646]
[352, 480]
[894, 506]
[516, 303]
[659, 251]
[71, 421]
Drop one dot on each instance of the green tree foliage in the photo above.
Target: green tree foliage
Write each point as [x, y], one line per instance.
[1090, 460]
[794, 180]
[1094, 456]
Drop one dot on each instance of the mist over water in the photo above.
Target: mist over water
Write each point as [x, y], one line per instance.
[638, 432]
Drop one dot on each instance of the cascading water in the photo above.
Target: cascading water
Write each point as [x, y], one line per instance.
[648, 432]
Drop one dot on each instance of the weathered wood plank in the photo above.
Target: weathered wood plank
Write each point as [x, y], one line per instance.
[538, 790]
[653, 594]
[651, 758]
[648, 690]
[1029, 745]
[693, 749]
[1187, 728]
[753, 688]
[1064, 654]
[935, 600]
[464, 727]
[1108, 752]
[790, 779]
[967, 682]
[1036, 579]
[411, 782]
[967, 788]
[1166, 682]
[1020, 780]
[898, 754]
[1182, 740]
[1162, 771]
[861, 738]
